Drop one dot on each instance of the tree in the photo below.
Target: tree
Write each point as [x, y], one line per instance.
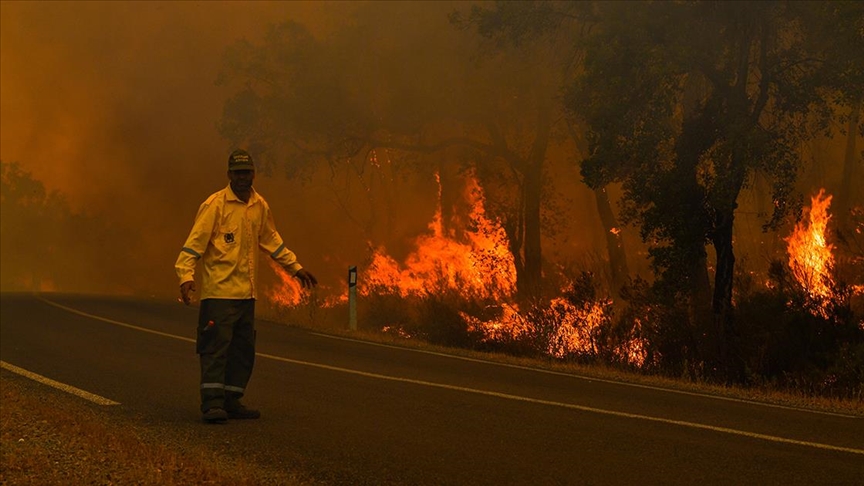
[302, 102]
[47, 246]
[837, 31]
[556, 29]
[683, 117]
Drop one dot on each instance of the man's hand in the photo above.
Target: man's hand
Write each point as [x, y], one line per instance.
[307, 279]
[185, 289]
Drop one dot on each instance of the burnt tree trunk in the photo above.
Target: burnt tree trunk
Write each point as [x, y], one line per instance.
[724, 277]
[619, 271]
[515, 229]
[740, 132]
[533, 191]
[614, 243]
[698, 134]
[451, 188]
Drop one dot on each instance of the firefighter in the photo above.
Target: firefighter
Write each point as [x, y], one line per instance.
[230, 227]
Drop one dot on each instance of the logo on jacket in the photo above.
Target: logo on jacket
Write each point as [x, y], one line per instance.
[229, 237]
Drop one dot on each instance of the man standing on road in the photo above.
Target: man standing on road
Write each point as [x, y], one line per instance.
[230, 227]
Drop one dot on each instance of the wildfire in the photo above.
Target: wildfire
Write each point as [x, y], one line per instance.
[576, 332]
[810, 255]
[289, 292]
[511, 324]
[571, 329]
[634, 350]
[481, 267]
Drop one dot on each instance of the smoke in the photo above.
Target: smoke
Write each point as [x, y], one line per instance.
[114, 105]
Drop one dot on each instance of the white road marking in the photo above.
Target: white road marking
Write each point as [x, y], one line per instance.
[582, 408]
[56, 384]
[586, 378]
[111, 321]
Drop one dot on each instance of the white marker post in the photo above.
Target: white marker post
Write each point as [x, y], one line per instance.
[352, 298]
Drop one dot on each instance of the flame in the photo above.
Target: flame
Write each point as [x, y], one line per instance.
[635, 349]
[577, 329]
[288, 292]
[396, 330]
[810, 255]
[574, 329]
[481, 267]
[511, 325]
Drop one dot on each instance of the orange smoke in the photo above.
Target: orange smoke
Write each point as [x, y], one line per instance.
[810, 255]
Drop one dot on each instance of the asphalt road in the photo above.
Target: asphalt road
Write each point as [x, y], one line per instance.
[350, 412]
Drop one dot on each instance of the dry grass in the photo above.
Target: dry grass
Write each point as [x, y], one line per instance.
[762, 395]
[788, 398]
[48, 438]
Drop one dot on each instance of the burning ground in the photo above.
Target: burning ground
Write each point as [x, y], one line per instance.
[470, 284]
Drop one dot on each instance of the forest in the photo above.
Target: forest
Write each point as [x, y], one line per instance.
[677, 115]
[668, 187]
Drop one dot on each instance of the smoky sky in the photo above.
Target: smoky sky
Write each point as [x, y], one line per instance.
[105, 99]
[115, 105]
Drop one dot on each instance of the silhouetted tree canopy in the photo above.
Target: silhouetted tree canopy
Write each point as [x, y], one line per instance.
[42, 249]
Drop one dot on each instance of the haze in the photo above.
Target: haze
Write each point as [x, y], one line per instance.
[115, 106]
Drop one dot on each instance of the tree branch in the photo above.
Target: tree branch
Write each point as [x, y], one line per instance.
[491, 149]
[765, 80]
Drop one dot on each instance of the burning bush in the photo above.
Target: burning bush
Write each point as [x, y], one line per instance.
[573, 325]
[462, 292]
[811, 257]
[662, 326]
[799, 330]
[791, 340]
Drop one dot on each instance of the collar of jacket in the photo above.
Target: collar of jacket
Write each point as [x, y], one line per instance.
[253, 197]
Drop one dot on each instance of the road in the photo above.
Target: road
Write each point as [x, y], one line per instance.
[351, 412]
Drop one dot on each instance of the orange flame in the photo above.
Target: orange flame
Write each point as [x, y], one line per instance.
[289, 292]
[810, 255]
[574, 329]
[576, 332]
[482, 267]
[478, 267]
[635, 349]
[511, 325]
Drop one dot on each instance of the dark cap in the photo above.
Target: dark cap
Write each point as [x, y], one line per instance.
[240, 160]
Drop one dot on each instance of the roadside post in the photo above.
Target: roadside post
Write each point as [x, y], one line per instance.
[352, 298]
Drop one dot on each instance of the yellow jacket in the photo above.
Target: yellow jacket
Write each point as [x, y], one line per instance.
[225, 237]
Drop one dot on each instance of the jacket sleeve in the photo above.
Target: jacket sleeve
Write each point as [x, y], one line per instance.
[271, 242]
[196, 243]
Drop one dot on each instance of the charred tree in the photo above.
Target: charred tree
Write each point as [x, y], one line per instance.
[618, 269]
[533, 191]
[614, 243]
[851, 161]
